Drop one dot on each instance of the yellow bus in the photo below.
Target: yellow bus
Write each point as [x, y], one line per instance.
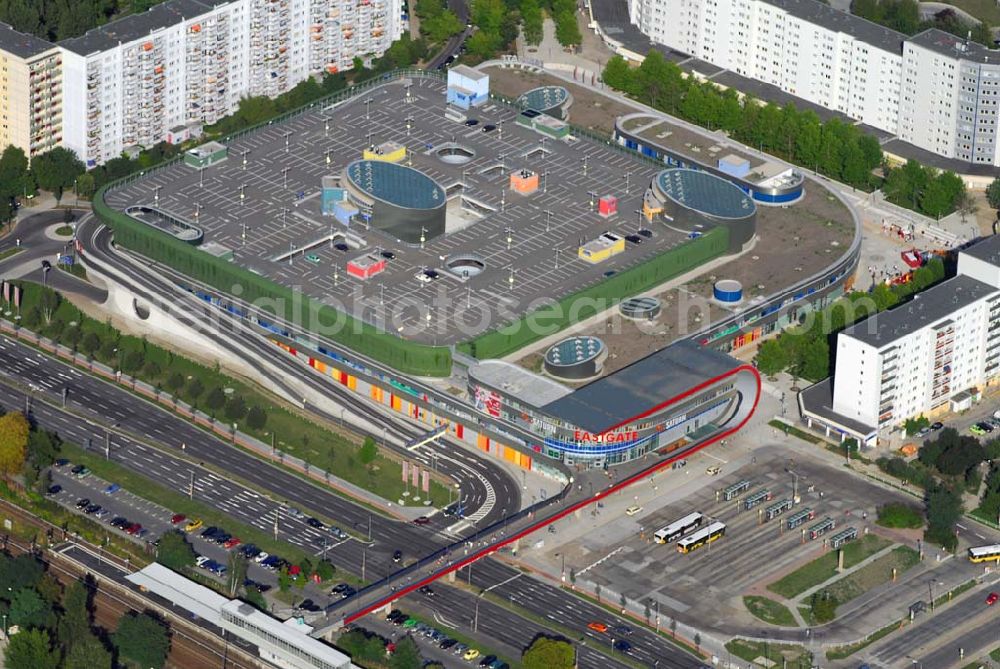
[706, 535]
[985, 553]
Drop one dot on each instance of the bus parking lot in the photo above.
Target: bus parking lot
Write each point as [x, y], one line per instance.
[708, 582]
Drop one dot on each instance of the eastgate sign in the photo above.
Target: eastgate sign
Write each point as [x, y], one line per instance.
[606, 438]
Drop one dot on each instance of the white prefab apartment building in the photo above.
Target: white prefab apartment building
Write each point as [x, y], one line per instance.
[933, 90]
[915, 358]
[190, 62]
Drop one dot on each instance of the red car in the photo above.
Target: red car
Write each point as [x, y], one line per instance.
[992, 598]
[133, 529]
[422, 520]
[232, 543]
[177, 518]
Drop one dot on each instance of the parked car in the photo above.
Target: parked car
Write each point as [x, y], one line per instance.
[340, 587]
[92, 509]
[309, 605]
[233, 542]
[177, 518]
[55, 489]
[193, 525]
[112, 489]
[82, 503]
[312, 522]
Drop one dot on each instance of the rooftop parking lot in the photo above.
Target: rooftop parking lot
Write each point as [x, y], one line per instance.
[263, 204]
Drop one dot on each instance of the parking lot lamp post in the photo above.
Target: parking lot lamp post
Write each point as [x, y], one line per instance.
[326, 126]
[243, 193]
[288, 134]
[245, 152]
[284, 218]
[548, 220]
[156, 194]
[284, 177]
[584, 161]
[628, 176]
[510, 279]
[201, 178]
[510, 237]
[423, 236]
[545, 181]
[328, 156]
[197, 211]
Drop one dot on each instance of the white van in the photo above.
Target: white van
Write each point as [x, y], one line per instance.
[713, 470]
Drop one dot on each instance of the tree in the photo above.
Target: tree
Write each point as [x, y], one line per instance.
[14, 429]
[74, 623]
[174, 551]
[548, 653]
[236, 408]
[567, 30]
[85, 185]
[23, 571]
[89, 343]
[30, 649]
[824, 606]
[175, 382]
[943, 509]
[771, 357]
[325, 570]
[483, 44]
[28, 609]
[993, 193]
[442, 26]
[531, 15]
[256, 418]
[14, 177]
[572, 577]
[406, 655]
[368, 451]
[617, 73]
[236, 572]
[142, 639]
[89, 653]
[133, 362]
[56, 170]
[215, 399]
[194, 389]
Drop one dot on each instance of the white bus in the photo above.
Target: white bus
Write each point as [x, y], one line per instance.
[985, 553]
[705, 535]
[678, 528]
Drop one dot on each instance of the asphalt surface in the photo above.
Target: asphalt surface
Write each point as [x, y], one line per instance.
[36, 246]
[963, 650]
[970, 610]
[489, 493]
[168, 468]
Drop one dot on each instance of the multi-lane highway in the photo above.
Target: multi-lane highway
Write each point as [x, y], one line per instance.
[140, 424]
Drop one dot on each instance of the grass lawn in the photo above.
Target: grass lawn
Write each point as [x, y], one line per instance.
[794, 431]
[9, 252]
[65, 231]
[896, 514]
[771, 654]
[193, 382]
[770, 611]
[873, 574]
[841, 652]
[995, 654]
[824, 567]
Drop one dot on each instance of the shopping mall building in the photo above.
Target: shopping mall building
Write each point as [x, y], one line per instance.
[675, 397]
